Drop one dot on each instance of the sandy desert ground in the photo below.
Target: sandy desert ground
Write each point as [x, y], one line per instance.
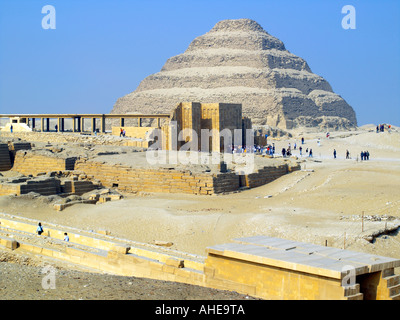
[322, 204]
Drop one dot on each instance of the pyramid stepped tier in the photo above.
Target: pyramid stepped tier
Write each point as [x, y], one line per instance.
[270, 59]
[237, 61]
[214, 77]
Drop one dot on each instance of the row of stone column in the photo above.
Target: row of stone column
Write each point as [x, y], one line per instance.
[78, 124]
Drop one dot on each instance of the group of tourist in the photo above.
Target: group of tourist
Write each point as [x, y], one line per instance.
[380, 128]
[40, 230]
[364, 155]
[122, 133]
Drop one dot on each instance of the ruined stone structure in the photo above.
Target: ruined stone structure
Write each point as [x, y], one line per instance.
[129, 179]
[275, 268]
[214, 119]
[31, 163]
[185, 124]
[5, 159]
[132, 176]
[78, 122]
[237, 61]
[134, 180]
[260, 266]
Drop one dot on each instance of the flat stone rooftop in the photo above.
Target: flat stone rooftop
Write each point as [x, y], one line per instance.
[302, 257]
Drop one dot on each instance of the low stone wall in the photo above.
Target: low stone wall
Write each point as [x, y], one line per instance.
[128, 179]
[106, 253]
[271, 268]
[9, 189]
[45, 186]
[30, 163]
[77, 187]
[268, 174]
[172, 181]
[17, 146]
[5, 159]
[69, 137]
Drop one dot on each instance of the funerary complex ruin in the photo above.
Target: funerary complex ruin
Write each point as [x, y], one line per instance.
[259, 266]
[82, 162]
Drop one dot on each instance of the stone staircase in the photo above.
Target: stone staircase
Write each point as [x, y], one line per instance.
[393, 285]
[389, 289]
[352, 292]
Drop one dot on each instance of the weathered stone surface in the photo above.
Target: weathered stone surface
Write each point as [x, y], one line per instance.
[237, 61]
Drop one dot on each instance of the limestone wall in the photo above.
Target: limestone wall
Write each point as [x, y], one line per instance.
[172, 181]
[9, 189]
[44, 186]
[5, 159]
[30, 163]
[148, 180]
[69, 137]
[77, 187]
[135, 132]
[268, 174]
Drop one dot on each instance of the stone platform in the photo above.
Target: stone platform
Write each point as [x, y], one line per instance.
[260, 266]
[285, 269]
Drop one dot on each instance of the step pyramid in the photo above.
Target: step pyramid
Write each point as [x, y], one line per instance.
[237, 61]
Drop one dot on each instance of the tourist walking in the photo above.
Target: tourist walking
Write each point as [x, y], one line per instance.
[310, 153]
[66, 237]
[347, 154]
[11, 128]
[283, 152]
[334, 153]
[39, 229]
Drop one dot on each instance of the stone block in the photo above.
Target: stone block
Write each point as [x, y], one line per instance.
[175, 263]
[10, 244]
[168, 269]
[123, 249]
[163, 243]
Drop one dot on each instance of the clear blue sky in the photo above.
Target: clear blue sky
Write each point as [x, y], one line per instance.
[101, 50]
